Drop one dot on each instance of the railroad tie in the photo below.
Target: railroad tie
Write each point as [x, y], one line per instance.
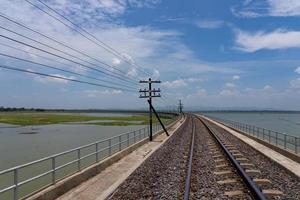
[217, 156]
[227, 181]
[220, 160]
[252, 172]
[272, 192]
[222, 166]
[237, 155]
[261, 181]
[234, 193]
[226, 172]
[234, 151]
[241, 159]
[246, 165]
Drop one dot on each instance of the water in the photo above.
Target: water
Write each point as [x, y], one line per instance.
[286, 122]
[19, 145]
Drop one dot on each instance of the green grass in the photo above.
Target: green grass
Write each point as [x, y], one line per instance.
[36, 118]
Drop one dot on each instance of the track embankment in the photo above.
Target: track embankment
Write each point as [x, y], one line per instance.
[203, 161]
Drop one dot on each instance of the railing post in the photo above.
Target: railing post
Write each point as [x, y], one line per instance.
[263, 133]
[97, 149]
[79, 161]
[120, 144]
[269, 136]
[276, 139]
[295, 144]
[16, 189]
[284, 141]
[109, 149]
[140, 134]
[128, 139]
[53, 170]
[134, 135]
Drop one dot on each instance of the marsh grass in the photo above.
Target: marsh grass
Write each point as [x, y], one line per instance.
[36, 118]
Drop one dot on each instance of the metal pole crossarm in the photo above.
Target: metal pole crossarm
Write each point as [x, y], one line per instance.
[150, 81]
[154, 90]
[147, 96]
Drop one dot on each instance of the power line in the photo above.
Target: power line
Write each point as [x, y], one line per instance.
[59, 56]
[102, 44]
[63, 70]
[63, 78]
[61, 43]
[48, 46]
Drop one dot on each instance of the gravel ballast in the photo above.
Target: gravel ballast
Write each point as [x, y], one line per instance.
[163, 174]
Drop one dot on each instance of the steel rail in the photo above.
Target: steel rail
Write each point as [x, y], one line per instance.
[256, 192]
[190, 163]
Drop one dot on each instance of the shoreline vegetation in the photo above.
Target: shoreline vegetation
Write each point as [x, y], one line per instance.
[47, 118]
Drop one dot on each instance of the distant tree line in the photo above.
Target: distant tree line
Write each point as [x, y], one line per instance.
[8, 109]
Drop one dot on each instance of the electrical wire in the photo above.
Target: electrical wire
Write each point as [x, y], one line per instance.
[61, 43]
[56, 55]
[63, 70]
[98, 43]
[62, 78]
[53, 48]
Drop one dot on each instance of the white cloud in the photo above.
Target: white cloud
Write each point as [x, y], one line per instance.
[194, 80]
[174, 84]
[268, 87]
[116, 61]
[101, 93]
[297, 70]
[278, 39]
[230, 85]
[228, 92]
[295, 83]
[156, 74]
[262, 8]
[284, 7]
[201, 92]
[236, 77]
[210, 24]
[132, 72]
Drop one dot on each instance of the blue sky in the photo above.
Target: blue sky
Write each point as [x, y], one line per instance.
[209, 53]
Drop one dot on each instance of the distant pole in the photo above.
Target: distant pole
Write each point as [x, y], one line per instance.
[150, 110]
[151, 93]
[180, 106]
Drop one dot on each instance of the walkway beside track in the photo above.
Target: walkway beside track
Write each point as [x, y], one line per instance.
[282, 160]
[102, 185]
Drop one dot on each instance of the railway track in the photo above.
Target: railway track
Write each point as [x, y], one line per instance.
[235, 174]
[193, 164]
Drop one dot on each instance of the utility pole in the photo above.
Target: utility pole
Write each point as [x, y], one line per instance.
[150, 93]
[180, 106]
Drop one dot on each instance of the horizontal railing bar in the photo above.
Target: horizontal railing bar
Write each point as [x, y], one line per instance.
[229, 121]
[7, 189]
[34, 178]
[67, 164]
[88, 155]
[65, 152]
[138, 133]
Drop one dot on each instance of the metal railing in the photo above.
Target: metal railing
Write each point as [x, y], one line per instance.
[24, 180]
[282, 140]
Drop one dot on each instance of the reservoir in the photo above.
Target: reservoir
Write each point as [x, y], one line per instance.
[285, 122]
[23, 144]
